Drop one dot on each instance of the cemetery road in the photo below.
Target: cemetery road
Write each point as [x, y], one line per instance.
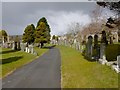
[44, 72]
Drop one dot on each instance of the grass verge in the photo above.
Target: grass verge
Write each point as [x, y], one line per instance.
[11, 60]
[77, 72]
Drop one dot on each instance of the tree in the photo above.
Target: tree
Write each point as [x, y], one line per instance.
[42, 32]
[115, 6]
[111, 23]
[74, 28]
[28, 35]
[3, 35]
[97, 19]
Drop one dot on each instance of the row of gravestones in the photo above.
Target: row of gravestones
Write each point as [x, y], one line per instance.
[72, 43]
[28, 48]
[13, 45]
[20, 46]
[88, 48]
[100, 52]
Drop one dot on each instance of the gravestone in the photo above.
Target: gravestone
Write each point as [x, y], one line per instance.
[77, 45]
[118, 61]
[6, 45]
[89, 47]
[14, 46]
[11, 44]
[65, 42]
[117, 67]
[18, 46]
[26, 49]
[30, 49]
[22, 47]
[82, 47]
[96, 48]
[103, 44]
[103, 38]
[102, 53]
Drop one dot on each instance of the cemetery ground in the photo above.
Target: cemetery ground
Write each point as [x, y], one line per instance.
[77, 72]
[13, 59]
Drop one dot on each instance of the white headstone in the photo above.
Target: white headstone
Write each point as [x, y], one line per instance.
[118, 61]
[13, 45]
[26, 49]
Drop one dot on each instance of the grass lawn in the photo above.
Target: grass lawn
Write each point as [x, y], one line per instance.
[77, 72]
[14, 59]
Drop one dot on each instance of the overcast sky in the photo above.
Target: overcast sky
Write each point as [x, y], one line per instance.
[17, 15]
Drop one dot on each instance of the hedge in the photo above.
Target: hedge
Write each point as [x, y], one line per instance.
[112, 51]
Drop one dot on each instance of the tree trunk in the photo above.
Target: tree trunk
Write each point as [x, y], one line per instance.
[42, 44]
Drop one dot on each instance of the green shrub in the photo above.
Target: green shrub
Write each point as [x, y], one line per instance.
[112, 51]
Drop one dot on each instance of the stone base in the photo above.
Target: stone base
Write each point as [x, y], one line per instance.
[109, 63]
[102, 61]
[116, 68]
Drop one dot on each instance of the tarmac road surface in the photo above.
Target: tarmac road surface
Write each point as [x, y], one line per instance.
[44, 72]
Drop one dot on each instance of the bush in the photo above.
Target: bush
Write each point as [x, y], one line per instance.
[112, 51]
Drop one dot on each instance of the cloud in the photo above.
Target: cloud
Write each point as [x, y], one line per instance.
[16, 16]
[59, 20]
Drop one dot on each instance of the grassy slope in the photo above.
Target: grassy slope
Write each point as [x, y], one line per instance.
[15, 59]
[80, 73]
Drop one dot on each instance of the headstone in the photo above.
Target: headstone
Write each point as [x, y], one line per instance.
[10, 45]
[22, 46]
[82, 47]
[89, 47]
[103, 44]
[65, 42]
[102, 51]
[15, 48]
[29, 49]
[117, 66]
[102, 59]
[18, 46]
[118, 61]
[32, 50]
[103, 38]
[7, 45]
[26, 49]
[96, 48]
[13, 45]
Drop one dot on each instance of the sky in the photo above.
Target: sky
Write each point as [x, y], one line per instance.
[17, 15]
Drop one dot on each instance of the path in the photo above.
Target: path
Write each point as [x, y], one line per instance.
[41, 73]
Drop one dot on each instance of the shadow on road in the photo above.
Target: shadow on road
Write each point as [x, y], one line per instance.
[49, 47]
[9, 60]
